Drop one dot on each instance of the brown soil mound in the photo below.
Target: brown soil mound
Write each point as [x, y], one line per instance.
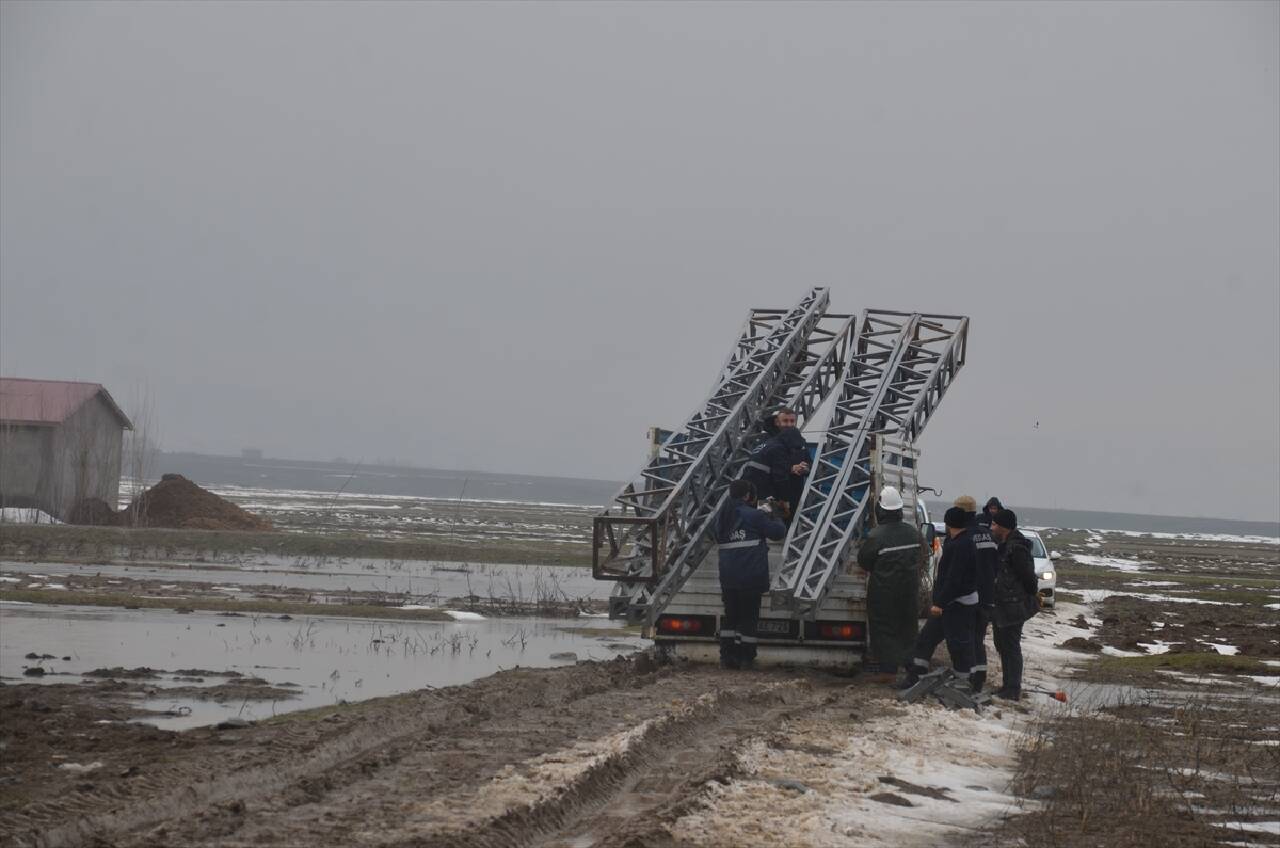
[177, 502]
[93, 511]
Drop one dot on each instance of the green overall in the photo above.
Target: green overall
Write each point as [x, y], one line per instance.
[894, 554]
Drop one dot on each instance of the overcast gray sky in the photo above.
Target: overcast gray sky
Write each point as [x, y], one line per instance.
[511, 237]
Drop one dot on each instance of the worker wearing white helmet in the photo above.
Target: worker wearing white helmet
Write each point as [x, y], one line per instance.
[893, 553]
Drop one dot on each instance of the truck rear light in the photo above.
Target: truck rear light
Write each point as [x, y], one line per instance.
[686, 625]
[837, 631]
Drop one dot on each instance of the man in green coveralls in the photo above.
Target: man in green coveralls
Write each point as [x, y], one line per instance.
[894, 554]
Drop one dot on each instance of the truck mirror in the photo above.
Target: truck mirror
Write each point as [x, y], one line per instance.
[927, 530]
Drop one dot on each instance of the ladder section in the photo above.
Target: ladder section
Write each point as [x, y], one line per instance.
[650, 516]
[811, 379]
[899, 368]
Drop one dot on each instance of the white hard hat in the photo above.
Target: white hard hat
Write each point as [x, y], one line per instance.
[890, 499]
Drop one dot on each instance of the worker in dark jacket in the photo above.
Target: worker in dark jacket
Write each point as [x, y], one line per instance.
[741, 534]
[779, 467]
[955, 599]
[1016, 599]
[985, 548]
[989, 511]
[893, 553]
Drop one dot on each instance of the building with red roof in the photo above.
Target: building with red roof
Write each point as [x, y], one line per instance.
[61, 444]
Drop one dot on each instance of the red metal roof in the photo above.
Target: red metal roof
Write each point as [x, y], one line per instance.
[49, 402]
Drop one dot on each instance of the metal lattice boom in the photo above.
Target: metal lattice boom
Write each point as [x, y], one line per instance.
[654, 515]
[812, 377]
[899, 368]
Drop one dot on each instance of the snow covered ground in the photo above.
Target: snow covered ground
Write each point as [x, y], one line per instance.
[23, 515]
[915, 775]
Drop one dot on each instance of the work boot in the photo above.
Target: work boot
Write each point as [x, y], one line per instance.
[977, 680]
[1009, 695]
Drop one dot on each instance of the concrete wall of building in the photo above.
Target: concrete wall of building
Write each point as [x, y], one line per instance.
[87, 449]
[25, 453]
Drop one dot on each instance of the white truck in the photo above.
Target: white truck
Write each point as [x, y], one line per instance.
[837, 635]
[878, 377]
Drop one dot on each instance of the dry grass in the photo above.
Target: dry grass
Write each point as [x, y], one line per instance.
[1143, 774]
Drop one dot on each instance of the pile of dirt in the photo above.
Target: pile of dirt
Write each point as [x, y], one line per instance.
[174, 502]
[178, 503]
[95, 512]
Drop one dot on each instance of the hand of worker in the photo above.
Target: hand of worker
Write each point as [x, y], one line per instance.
[935, 611]
[800, 468]
[766, 508]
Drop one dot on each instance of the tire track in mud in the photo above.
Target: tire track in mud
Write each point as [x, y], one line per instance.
[298, 753]
[586, 755]
[662, 766]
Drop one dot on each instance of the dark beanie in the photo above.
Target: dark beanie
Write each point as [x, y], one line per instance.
[994, 502]
[956, 517]
[1006, 519]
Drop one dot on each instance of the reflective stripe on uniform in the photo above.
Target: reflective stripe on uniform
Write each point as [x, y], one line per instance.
[920, 663]
[759, 466]
[747, 640]
[884, 551]
[984, 545]
[968, 600]
[746, 543]
[982, 667]
[728, 634]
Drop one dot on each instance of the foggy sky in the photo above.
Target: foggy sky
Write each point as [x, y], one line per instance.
[511, 237]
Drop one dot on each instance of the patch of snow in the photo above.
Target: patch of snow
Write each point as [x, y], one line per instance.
[1225, 650]
[1197, 537]
[964, 755]
[463, 615]
[1270, 681]
[1271, 606]
[1131, 566]
[77, 768]
[1093, 596]
[1109, 651]
[1156, 647]
[1271, 827]
[1153, 584]
[23, 515]
[10, 579]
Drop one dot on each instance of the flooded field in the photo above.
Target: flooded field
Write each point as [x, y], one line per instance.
[394, 516]
[418, 580]
[199, 668]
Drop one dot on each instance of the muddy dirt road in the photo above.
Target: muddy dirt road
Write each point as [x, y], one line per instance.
[597, 754]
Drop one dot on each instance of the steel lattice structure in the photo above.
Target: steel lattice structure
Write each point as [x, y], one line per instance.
[653, 516]
[810, 380]
[901, 365]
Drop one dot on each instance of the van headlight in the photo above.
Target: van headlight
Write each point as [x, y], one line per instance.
[1048, 575]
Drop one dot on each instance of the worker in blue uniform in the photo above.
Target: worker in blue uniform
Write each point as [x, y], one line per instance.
[955, 601]
[780, 466]
[985, 549]
[742, 534]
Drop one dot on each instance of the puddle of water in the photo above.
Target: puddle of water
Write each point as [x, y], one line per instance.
[500, 580]
[330, 659]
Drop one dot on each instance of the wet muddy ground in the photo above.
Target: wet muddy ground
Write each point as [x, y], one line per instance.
[619, 751]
